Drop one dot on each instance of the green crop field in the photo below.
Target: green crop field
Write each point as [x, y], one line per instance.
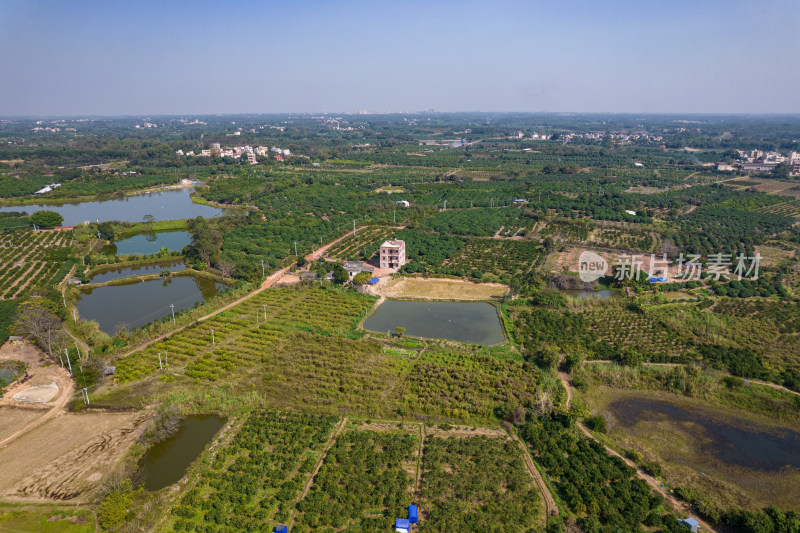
[32, 260]
[477, 483]
[253, 482]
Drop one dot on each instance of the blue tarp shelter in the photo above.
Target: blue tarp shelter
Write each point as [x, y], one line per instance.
[412, 514]
[373, 281]
[280, 528]
[402, 523]
[656, 280]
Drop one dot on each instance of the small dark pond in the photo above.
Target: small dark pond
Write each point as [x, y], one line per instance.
[587, 295]
[735, 445]
[149, 243]
[6, 376]
[167, 461]
[138, 270]
[473, 322]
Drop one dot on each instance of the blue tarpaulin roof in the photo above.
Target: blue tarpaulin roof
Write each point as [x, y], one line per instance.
[373, 281]
[412, 514]
[402, 523]
[654, 280]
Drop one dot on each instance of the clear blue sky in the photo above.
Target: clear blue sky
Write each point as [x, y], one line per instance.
[117, 57]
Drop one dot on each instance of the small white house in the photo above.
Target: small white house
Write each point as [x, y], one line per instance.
[630, 212]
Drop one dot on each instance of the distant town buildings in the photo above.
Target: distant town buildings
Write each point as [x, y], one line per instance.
[248, 152]
[393, 254]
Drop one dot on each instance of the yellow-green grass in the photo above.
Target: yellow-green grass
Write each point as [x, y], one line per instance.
[681, 448]
[46, 518]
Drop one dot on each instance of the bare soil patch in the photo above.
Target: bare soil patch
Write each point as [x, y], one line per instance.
[12, 419]
[67, 457]
[438, 289]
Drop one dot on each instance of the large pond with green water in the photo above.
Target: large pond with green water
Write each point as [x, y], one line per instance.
[133, 305]
[149, 243]
[167, 461]
[472, 322]
[171, 204]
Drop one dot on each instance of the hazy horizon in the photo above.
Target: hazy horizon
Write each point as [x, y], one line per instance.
[202, 58]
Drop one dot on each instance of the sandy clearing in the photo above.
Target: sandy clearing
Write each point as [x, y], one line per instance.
[13, 419]
[67, 457]
[438, 289]
[40, 394]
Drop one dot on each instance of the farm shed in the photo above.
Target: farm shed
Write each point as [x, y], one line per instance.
[691, 522]
[356, 267]
[412, 514]
[402, 525]
[280, 528]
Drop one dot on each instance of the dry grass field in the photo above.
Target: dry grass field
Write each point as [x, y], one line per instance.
[438, 289]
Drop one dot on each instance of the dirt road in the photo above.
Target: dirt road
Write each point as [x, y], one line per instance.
[550, 507]
[331, 440]
[266, 284]
[65, 389]
[678, 506]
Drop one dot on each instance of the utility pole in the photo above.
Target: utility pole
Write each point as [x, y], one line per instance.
[354, 228]
[160, 366]
[394, 220]
[86, 395]
[262, 269]
[295, 248]
[64, 298]
[77, 350]
[492, 202]
[212, 337]
[445, 205]
[66, 352]
[265, 312]
[172, 306]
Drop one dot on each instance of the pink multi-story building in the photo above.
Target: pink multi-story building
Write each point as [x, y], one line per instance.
[393, 254]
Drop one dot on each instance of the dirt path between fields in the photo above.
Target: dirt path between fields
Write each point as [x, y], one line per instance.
[678, 506]
[331, 440]
[266, 284]
[550, 507]
[747, 380]
[65, 390]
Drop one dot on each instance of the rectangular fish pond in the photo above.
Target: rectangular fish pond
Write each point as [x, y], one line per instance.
[471, 322]
[167, 461]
